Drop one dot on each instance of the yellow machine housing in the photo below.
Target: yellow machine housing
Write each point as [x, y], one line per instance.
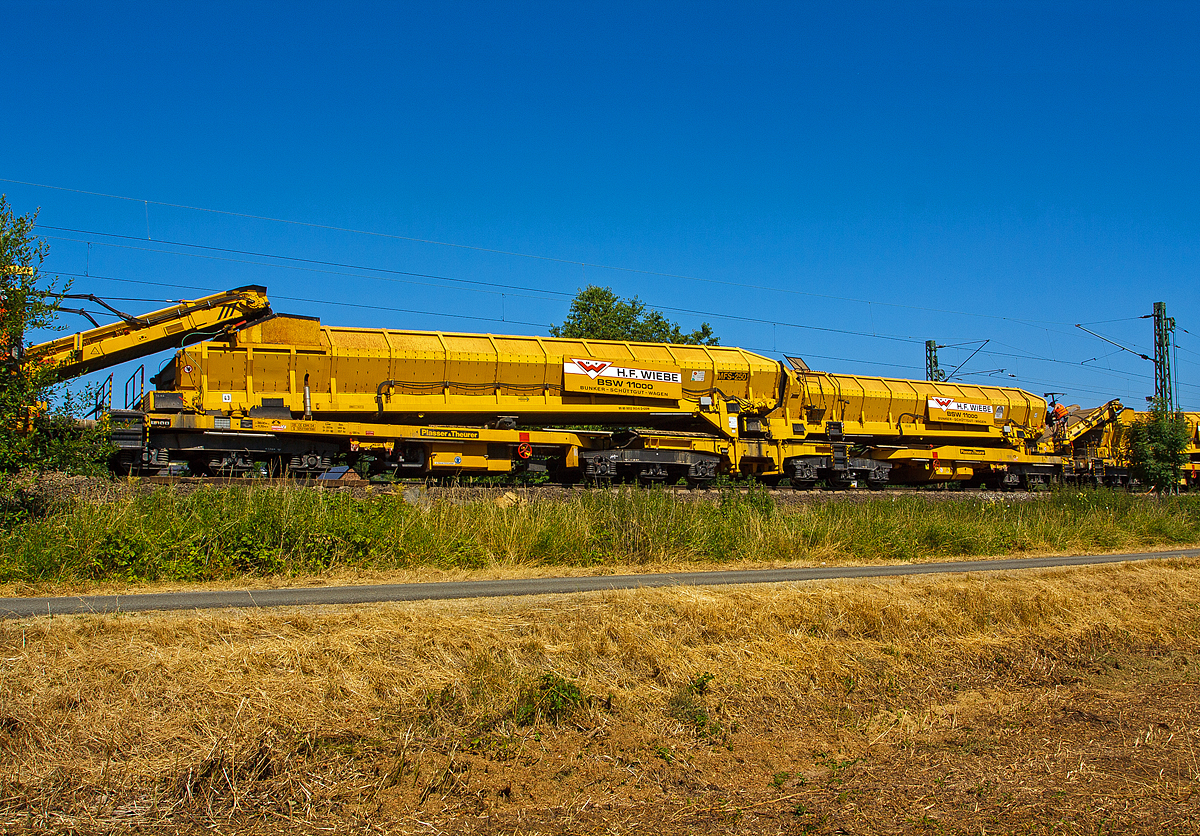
[291, 366]
[894, 408]
[853, 429]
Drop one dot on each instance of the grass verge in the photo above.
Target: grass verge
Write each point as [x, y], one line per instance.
[214, 534]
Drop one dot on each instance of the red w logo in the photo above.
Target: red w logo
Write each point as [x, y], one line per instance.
[592, 367]
[943, 402]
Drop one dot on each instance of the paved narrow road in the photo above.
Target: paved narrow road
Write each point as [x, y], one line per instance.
[340, 595]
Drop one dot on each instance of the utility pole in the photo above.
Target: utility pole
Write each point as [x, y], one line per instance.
[1164, 340]
[1166, 394]
[932, 370]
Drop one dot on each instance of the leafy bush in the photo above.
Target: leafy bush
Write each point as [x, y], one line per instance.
[32, 438]
[1157, 449]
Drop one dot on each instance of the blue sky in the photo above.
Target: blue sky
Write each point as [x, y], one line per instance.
[840, 181]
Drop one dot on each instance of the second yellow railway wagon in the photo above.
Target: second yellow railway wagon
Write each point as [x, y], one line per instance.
[878, 430]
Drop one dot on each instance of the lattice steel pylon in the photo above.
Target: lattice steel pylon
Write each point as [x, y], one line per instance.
[932, 371]
[1164, 339]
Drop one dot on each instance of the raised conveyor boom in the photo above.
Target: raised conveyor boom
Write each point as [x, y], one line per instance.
[135, 337]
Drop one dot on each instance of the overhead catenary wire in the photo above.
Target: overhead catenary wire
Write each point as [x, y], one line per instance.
[1020, 378]
[503, 289]
[1113, 342]
[315, 301]
[1042, 359]
[582, 263]
[1035, 358]
[968, 360]
[367, 275]
[1027, 356]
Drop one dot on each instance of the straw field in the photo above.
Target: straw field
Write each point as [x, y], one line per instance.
[1058, 701]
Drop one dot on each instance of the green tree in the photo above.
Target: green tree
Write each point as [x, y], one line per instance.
[599, 314]
[1156, 448]
[32, 437]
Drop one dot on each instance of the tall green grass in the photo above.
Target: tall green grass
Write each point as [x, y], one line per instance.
[217, 533]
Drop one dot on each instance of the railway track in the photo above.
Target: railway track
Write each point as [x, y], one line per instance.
[433, 490]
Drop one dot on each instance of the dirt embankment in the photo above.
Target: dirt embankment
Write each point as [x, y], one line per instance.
[1064, 702]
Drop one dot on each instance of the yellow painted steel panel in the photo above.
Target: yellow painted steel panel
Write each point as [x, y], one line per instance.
[407, 342]
[468, 343]
[288, 331]
[522, 346]
[316, 367]
[272, 371]
[357, 339]
[619, 352]
[653, 353]
[361, 374]
[226, 371]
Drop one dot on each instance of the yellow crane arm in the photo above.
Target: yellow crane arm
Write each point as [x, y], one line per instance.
[141, 336]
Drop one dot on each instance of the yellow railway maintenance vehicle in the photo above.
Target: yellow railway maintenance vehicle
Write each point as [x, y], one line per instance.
[1113, 443]
[292, 394]
[1089, 443]
[1092, 445]
[250, 391]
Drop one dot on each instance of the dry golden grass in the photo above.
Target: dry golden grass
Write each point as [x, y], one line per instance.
[406, 717]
